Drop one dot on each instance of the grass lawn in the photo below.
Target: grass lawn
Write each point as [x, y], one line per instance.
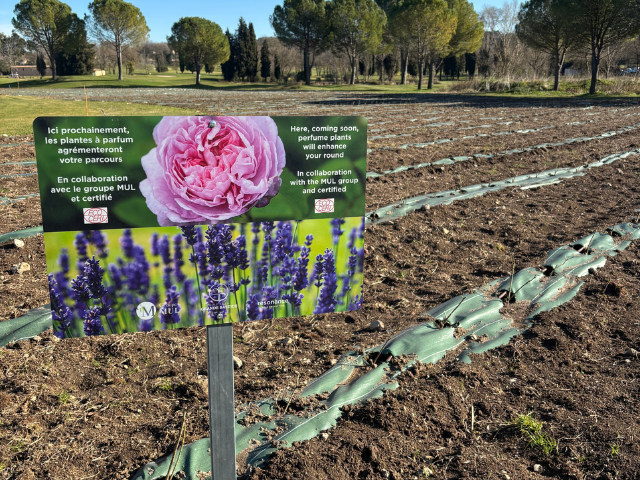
[18, 113]
[212, 81]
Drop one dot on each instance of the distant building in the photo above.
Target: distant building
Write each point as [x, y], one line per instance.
[29, 71]
[97, 72]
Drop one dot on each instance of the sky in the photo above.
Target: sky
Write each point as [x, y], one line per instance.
[161, 14]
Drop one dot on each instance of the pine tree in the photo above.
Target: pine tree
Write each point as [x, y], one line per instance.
[277, 71]
[265, 61]
[201, 41]
[302, 24]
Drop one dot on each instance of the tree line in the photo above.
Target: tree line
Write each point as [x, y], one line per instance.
[52, 29]
[361, 37]
[425, 31]
[558, 27]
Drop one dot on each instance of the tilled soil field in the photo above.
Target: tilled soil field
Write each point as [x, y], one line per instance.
[103, 407]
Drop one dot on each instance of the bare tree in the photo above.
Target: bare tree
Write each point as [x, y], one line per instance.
[105, 57]
[610, 58]
[500, 45]
[290, 58]
[12, 50]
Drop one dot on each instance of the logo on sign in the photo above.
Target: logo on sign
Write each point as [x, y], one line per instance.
[324, 205]
[95, 215]
[219, 294]
[146, 311]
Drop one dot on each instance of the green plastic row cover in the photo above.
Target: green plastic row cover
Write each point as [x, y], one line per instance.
[27, 326]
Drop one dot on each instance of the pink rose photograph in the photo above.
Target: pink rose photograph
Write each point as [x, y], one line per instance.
[206, 170]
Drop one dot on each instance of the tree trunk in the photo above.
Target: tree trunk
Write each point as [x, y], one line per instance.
[307, 69]
[556, 74]
[404, 65]
[431, 72]
[353, 70]
[594, 71]
[52, 61]
[420, 74]
[198, 68]
[559, 63]
[119, 56]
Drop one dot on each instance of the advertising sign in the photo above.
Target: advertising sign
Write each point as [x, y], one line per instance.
[166, 222]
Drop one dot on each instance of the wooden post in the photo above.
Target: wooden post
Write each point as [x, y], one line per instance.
[221, 402]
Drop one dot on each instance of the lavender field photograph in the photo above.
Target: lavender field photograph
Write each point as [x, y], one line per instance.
[119, 281]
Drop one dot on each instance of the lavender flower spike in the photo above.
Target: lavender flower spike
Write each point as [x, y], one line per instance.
[61, 313]
[169, 311]
[92, 323]
[93, 274]
[326, 301]
[190, 234]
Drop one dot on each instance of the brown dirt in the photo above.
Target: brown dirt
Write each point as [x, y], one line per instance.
[22, 292]
[403, 185]
[16, 186]
[384, 159]
[20, 215]
[18, 153]
[560, 371]
[102, 407]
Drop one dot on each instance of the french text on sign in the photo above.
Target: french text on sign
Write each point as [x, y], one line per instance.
[324, 205]
[95, 215]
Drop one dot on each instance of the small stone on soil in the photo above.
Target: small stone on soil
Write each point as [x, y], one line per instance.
[537, 467]
[237, 363]
[375, 326]
[18, 243]
[20, 268]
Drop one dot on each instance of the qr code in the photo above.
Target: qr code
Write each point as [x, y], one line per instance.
[324, 205]
[95, 215]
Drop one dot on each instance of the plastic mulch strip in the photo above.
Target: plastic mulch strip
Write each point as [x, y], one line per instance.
[16, 144]
[28, 162]
[535, 180]
[27, 326]
[17, 175]
[8, 201]
[472, 323]
[29, 232]
[452, 160]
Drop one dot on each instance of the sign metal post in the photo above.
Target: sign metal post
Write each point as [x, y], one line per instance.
[221, 402]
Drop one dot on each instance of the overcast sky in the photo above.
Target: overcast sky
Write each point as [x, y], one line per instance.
[161, 14]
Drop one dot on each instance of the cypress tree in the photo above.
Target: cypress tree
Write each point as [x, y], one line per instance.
[242, 36]
[40, 65]
[77, 53]
[252, 53]
[230, 67]
[265, 61]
